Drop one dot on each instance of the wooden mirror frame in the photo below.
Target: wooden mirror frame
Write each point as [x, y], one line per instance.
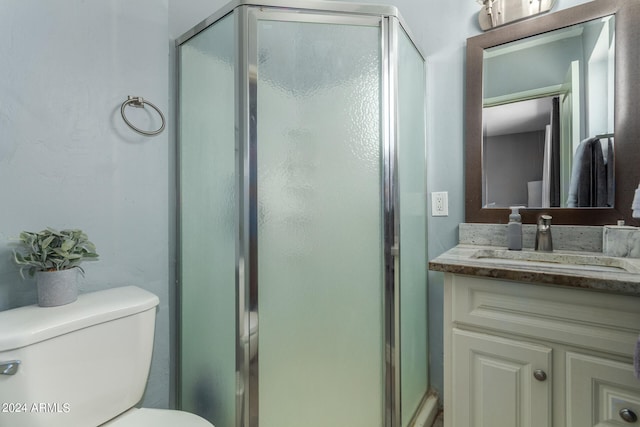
[626, 112]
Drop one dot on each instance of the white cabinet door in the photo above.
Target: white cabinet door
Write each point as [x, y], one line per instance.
[494, 383]
[601, 392]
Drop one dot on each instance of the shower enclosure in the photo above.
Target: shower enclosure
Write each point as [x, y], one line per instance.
[302, 196]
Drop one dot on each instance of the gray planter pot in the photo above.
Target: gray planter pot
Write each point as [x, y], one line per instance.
[57, 287]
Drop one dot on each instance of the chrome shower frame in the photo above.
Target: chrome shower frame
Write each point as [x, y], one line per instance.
[246, 15]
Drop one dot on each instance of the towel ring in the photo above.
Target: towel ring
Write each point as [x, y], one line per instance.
[138, 101]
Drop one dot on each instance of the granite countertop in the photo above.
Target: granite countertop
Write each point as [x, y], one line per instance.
[576, 269]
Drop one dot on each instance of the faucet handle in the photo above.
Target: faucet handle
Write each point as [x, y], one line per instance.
[544, 220]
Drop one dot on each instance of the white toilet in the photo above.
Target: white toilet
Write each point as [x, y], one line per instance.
[84, 364]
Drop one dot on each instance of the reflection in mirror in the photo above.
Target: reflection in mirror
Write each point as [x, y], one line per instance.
[548, 119]
[626, 106]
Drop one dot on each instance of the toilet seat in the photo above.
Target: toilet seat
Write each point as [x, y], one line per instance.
[146, 417]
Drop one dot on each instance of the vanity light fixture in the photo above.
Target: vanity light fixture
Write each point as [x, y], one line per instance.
[495, 13]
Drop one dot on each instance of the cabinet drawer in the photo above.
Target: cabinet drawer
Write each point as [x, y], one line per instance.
[595, 320]
[598, 390]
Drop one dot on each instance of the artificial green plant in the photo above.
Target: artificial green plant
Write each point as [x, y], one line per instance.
[51, 250]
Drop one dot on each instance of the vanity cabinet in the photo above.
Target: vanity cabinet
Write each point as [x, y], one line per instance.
[526, 354]
[493, 381]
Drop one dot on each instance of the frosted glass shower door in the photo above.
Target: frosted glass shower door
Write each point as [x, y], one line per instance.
[319, 221]
[208, 218]
[413, 233]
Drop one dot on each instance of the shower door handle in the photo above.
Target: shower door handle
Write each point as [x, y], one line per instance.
[10, 367]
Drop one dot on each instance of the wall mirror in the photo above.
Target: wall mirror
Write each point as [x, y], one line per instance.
[552, 116]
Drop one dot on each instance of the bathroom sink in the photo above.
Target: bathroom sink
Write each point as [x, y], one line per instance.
[566, 260]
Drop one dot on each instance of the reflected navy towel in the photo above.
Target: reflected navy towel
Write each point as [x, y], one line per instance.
[635, 206]
[636, 360]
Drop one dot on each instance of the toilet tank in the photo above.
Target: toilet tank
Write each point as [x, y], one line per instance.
[81, 364]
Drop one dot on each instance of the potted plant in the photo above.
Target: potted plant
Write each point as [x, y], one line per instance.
[54, 258]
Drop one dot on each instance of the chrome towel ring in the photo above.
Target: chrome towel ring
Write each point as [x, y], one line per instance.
[138, 101]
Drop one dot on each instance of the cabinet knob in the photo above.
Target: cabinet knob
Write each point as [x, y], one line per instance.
[540, 375]
[628, 415]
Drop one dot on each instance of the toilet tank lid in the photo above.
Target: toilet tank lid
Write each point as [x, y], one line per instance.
[31, 324]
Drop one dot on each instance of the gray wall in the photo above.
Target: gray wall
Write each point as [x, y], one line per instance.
[511, 161]
[533, 68]
[68, 160]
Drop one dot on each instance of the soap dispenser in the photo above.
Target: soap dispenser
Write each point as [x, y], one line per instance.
[514, 229]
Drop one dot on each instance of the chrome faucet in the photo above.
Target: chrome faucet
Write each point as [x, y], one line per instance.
[543, 234]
